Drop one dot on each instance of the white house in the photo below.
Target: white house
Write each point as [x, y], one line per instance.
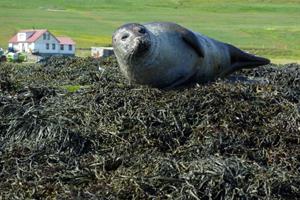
[41, 42]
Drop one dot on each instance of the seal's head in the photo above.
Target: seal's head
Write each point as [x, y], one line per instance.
[131, 41]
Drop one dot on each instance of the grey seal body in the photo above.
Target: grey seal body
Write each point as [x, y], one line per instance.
[163, 54]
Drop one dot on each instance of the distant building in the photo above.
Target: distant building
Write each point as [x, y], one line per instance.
[41, 42]
[101, 52]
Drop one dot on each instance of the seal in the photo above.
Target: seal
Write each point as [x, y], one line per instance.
[166, 55]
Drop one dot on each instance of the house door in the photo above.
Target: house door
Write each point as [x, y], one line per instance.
[23, 47]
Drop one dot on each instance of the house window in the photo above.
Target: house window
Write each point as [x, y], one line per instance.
[70, 47]
[53, 46]
[47, 46]
[62, 47]
[48, 36]
[44, 36]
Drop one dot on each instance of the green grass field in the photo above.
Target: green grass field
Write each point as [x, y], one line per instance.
[267, 27]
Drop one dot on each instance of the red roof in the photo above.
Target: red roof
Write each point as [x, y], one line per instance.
[14, 39]
[36, 34]
[65, 40]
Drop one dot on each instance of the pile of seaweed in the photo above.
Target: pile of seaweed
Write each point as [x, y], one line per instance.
[74, 128]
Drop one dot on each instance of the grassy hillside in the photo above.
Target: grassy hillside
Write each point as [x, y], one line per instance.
[270, 28]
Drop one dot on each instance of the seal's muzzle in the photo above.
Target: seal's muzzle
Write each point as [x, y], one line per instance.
[131, 41]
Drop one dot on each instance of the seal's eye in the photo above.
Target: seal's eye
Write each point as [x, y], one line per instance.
[142, 30]
[125, 36]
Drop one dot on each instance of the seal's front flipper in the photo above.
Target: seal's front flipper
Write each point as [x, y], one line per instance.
[191, 39]
[240, 59]
[179, 81]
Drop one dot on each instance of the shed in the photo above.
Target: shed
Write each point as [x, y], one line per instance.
[101, 52]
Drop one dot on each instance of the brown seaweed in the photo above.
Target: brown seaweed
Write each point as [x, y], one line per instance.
[69, 130]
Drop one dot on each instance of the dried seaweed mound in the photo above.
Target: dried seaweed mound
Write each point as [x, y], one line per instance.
[74, 128]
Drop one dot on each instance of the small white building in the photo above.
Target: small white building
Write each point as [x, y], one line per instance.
[42, 42]
[101, 52]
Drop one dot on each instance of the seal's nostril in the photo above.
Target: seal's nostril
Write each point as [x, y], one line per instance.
[125, 36]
